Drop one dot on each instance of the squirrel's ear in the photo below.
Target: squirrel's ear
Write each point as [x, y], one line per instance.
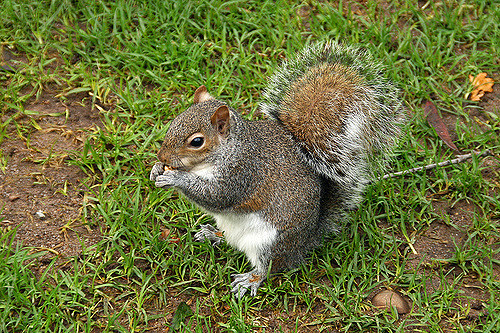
[220, 120]
[201, 95]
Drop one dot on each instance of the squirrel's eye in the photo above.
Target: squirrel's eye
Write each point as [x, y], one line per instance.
[197, 142]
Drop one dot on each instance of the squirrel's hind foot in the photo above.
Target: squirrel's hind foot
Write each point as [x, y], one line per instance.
[208, 232]
[247, 281]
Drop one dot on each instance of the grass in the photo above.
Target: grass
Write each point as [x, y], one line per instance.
[140, 63]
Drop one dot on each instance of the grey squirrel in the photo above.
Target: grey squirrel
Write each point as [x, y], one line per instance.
[277, 186]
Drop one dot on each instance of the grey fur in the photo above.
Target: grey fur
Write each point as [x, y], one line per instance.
[378, 112]
[260, 179]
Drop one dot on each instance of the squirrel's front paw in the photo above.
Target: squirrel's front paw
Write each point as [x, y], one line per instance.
[247, 281]
[166, 179]
[208, 232]
[156, 171]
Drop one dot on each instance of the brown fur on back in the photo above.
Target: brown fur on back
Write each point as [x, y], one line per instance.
[317, 105]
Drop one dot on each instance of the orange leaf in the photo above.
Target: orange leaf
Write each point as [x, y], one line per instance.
[166, 236]
[481, 84]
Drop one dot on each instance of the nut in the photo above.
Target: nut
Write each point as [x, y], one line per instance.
[387, 298]
[168, 168]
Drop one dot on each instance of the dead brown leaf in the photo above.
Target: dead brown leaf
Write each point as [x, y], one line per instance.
[166, 236]
[481, 84]
[435, 120]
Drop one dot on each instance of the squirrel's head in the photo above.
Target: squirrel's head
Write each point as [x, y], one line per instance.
[196, 132]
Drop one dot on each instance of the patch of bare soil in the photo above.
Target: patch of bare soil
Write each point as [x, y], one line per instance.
[438, 244]
[40, 193]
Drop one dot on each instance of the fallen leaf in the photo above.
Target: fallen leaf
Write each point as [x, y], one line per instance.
[481, 84]
[183, 311]
[165, 236]
[438, 124]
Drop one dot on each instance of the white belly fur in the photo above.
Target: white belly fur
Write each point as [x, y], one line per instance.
[204, 171]
[248, 233]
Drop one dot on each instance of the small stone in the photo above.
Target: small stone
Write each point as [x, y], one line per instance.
[387, 298]
[13, 197]
[41, 215]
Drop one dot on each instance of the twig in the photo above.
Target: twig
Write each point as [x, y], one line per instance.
[42, 249]
[459, 159]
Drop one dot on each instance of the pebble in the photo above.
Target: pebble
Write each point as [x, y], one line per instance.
[41, 215]
[13, 197]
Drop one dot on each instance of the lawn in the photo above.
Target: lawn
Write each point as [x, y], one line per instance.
[88, 244]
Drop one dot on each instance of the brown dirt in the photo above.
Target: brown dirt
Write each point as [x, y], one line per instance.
[434, 249]
[38, 180]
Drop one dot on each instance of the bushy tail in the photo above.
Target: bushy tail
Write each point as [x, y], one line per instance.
[344, 114]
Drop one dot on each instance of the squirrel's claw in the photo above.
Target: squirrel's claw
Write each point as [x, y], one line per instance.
[162, 181]
[156, 171]
[208, 232]
[246, 281]
[167, 179]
